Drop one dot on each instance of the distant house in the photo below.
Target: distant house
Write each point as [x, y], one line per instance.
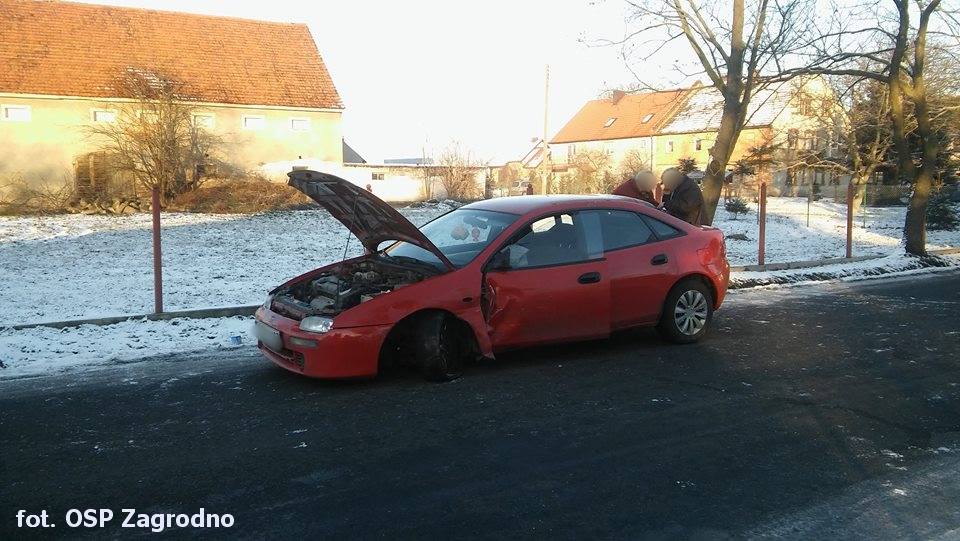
[663, 127]
[262, 86]
[618, 124]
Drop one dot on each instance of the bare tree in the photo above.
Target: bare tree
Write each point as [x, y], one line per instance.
[592, 173]
[155, 136]
[853, 131]
[740, 46]
[457, 168]
[632, 162]
[900, 61]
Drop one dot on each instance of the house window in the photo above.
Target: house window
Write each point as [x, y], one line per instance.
[646, 118]
[610, 122]
[104, 115]
[300, 124]
[15, 113]
[669, 146]
[254, 122]
[571, 152]
[203, 120]
[699, 144]
[376, 176]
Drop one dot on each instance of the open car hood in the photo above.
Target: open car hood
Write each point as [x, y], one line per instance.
[367, 216]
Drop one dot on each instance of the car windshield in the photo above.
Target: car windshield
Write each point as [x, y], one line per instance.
[460, 235]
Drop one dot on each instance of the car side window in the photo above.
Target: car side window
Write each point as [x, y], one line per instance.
[663, 230]
[555, 240]
[622, 228]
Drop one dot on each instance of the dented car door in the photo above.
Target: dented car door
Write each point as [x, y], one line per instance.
[548, 285]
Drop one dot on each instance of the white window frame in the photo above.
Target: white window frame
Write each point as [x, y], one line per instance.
[646, 118]
[212, 118]
[295, 119]
[609, 122]
[669, 147]
[94, 112]
[244, 118]
[377, 176]
[8, 106]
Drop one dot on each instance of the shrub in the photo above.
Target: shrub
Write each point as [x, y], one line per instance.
[240, 197]
[941, 214]
[736, 206]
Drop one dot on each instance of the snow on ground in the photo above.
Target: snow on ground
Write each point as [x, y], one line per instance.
[877, 230]
[899, 264]
[77, 266]
[45, 351]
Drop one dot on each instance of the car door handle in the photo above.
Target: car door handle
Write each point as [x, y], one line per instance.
[589, 278]
[659, 259]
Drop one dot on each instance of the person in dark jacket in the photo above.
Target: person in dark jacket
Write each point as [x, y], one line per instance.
[641, 187]
[686, 199]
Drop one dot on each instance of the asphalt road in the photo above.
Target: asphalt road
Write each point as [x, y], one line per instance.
[825, 411]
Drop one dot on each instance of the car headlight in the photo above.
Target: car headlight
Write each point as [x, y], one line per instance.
[316, 324]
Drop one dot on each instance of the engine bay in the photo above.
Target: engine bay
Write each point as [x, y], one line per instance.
[344, 286]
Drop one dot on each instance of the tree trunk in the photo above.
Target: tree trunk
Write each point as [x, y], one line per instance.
[915, 226]
[720, 157]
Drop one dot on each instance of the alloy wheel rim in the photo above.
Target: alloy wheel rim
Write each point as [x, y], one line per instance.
[690, 314]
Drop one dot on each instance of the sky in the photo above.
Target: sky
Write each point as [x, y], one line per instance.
[416, 76]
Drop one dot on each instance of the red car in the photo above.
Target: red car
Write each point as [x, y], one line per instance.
[487, 277]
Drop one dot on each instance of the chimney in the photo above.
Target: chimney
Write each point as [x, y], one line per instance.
[616, 96]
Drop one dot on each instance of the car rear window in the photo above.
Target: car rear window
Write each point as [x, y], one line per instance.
[623, 228]
[662, 229]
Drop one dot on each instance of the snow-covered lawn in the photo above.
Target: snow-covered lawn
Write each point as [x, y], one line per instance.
[76, 266]
[877, 230]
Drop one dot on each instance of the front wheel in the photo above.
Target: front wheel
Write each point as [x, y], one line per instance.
[442, 349]
[687, 312]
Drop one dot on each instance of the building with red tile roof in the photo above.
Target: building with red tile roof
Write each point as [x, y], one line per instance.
[263, 86]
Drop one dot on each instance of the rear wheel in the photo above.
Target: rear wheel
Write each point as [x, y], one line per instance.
[687, 312]
[442, 348]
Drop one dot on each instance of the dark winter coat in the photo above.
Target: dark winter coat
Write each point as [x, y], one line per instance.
[686, 202]
[629, 189]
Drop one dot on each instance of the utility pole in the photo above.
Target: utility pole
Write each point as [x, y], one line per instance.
[545, 161]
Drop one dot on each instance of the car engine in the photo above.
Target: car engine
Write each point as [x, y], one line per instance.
[344, 287]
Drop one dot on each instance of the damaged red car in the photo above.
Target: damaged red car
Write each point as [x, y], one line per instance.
[490, 276]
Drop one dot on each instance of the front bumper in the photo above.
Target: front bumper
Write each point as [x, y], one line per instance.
[340, 353]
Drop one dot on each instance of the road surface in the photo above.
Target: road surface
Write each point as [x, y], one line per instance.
[810, 412]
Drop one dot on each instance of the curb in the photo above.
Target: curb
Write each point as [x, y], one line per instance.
[824, 262]
[248, 310]
[201, 313]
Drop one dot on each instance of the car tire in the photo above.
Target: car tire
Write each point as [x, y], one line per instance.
[442, 349]
[687, 312]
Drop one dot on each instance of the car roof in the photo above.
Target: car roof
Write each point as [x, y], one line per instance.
[523, 204]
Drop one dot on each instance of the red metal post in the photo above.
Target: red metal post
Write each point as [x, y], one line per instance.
[157, 265]
[850, 220]
[762, 216]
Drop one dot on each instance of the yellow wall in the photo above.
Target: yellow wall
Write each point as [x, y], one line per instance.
[43, 149]
[684, 146]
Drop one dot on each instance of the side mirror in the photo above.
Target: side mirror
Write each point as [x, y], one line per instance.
[500, 261]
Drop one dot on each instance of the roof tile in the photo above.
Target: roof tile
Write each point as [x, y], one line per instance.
[72, 49]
